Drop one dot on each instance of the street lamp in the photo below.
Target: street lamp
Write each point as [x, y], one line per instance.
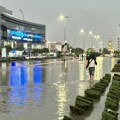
[83, 31]
[101, 46]
[22, 13]
[64, 18]
[96, 37]
[91, 33]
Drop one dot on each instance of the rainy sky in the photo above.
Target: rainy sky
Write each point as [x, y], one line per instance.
[100, 16]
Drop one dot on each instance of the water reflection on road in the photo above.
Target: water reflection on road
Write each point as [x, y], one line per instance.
[20, 94]
[44, 89]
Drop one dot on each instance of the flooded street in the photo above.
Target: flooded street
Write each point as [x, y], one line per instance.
[43, 90]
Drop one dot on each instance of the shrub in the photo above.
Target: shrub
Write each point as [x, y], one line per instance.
[109, 115]
[111, 105]
[76, 110]
[116, 75]
[112, 96]
[92, 93]
[83, 105]
[84, 99]
[66, 118]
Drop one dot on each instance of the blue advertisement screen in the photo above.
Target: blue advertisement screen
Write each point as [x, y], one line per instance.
[24, 36]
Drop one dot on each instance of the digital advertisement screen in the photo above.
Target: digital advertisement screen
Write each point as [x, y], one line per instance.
[24, 36]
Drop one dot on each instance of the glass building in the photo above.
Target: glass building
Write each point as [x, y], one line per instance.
[21, 33]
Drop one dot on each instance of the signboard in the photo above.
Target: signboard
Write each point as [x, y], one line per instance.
[24, 36]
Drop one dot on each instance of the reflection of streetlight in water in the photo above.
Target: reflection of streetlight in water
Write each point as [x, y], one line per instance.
[65, 63]
[82, 86]
[112, 63]
[98, 69]
[65, 66]
[81, 69]
[61, 98]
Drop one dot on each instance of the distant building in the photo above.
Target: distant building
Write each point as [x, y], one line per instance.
[118, 45]
[110, 46]
[54, 46]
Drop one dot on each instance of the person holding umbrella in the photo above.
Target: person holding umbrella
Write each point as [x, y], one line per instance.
[65, 49]
[90, 64]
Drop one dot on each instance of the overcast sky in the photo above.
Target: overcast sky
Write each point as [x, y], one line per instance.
[100, 16]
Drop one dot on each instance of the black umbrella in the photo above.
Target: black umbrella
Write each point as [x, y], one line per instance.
[94, 55]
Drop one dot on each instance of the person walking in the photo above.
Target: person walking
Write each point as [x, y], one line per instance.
[65, 49]
[90, 64]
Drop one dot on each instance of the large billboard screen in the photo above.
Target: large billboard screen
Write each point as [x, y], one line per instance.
[23, 36]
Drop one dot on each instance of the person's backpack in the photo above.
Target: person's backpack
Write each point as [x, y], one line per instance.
[89, 61]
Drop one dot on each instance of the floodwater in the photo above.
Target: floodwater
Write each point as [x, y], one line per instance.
[43, 90]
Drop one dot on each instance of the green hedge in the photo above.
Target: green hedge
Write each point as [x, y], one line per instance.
[116, 75]
[109, 115]
[66, 118]
[113, 96]
[83, 105]
[76, 110]
[92, 93]
[116, 68]
[118, 61]
[84, 99]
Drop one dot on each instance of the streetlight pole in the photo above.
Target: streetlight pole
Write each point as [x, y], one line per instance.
[22, 13]
[65, 30]
[118, 45]
[103, 46]
[74, 46]
[84, 31]
[96, 40]
[64, 18]
[91, 33]
[92, 42]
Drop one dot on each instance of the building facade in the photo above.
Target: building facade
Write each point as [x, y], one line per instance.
[21, 34]
[54, 46]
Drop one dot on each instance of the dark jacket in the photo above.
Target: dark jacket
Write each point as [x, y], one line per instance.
[91, 56]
